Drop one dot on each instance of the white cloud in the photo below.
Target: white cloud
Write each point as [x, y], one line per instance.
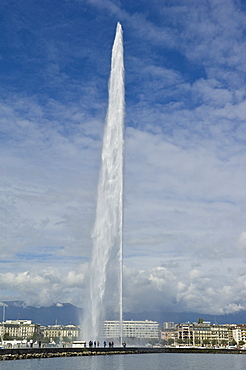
[44, 287]
[195, 290]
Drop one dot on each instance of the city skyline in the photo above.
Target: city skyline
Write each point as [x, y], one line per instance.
[184, 194]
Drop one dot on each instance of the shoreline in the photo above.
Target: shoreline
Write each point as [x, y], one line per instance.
[30, 353]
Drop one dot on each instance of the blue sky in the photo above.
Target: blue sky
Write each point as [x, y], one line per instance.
[185, 161]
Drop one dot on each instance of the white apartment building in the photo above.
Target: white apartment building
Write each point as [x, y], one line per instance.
[242, 328]
[237, 334]
[131, 329]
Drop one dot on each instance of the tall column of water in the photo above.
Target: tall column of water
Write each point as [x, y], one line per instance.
[106, 264]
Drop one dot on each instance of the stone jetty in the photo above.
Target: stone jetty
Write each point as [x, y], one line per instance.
[29, 353]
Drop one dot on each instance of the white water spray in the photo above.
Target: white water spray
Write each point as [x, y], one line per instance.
[106, 265]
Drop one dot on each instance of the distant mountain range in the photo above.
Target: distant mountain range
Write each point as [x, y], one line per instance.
[66, 313]
[61, 313]
[178, 317]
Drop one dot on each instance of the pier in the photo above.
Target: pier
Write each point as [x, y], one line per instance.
[49, 352]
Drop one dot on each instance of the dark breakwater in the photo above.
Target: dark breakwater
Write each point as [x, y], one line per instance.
[28, 353]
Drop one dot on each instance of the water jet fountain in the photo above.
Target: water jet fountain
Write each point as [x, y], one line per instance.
[106, 262]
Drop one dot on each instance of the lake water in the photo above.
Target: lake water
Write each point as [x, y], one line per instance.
[151, 361]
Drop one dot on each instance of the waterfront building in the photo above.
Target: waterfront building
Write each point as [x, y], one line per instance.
[185, 333]
[61, 333]
[243, 332]
[19, 329]
[237, 334]
[201, 334]
[234, 334]
[169, 336]
[131, 329]
[205, 334]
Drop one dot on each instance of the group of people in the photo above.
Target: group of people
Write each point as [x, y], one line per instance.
[97, 344]
[31, 343]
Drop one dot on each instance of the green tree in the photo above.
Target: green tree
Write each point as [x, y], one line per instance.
[163, 342]
[66, 339]
[170, 341]
[200, 321]
[197, 341]
[56, 339]
[233, 342]
[187, 340]
[180, 341]
[36, 337]
[7, 336]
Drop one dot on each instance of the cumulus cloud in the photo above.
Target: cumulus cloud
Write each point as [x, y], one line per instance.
[204, 291]
[44, 287]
